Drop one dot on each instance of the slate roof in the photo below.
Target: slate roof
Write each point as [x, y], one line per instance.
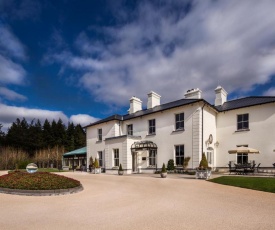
[143, 112]
[244, 102]
[229, 105]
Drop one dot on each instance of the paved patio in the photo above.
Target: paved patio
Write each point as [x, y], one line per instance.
[141, 202]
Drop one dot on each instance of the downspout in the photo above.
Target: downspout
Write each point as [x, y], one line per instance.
[202, 130]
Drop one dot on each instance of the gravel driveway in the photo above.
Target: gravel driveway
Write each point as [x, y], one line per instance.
[141, 202]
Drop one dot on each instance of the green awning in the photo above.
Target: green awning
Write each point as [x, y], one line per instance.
[77, 152]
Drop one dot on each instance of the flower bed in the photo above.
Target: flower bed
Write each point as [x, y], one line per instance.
[37, 181]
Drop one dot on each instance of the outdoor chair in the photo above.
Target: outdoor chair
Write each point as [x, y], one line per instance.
[251, 169]
[231, 169]
[258, 167]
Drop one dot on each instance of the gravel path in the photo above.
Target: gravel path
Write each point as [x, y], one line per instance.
[141, 202]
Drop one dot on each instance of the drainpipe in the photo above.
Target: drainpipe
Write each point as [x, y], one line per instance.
[202, 130]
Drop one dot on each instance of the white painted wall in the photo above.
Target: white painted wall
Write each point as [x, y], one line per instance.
[261, 135]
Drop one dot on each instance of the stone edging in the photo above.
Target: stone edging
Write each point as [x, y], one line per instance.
[55, 192]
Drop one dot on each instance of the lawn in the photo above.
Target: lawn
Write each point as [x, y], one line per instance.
[265, 184]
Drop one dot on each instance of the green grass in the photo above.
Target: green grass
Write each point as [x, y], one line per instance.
[265, 184]
[36, 181]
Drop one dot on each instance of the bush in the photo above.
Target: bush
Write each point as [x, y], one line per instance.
[163, 170]
[22, 164]
[203, 162]
[171, 165]
[96, 164]
[91, 162]
[185, 162]
[120, 168]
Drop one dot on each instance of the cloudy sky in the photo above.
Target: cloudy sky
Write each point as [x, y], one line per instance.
[83, 60]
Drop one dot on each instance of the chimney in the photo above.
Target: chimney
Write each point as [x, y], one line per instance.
[153, 100]
[221, 96]
[193, 94]
[135, 105]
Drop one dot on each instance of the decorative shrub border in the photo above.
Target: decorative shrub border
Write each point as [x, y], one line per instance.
[55, 192]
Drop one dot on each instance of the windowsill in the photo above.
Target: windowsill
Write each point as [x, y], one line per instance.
[178, 130]
[151, 167]
[242, 130]
[98, 141]
[151, 134]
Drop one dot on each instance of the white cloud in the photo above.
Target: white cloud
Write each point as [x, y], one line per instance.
[228, 43]
[10, 72]
[10, 44]
[9, 114]
[270, 92]
[11, 95]
[83, 119]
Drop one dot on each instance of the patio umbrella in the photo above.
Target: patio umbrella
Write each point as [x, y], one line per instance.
[243, 150]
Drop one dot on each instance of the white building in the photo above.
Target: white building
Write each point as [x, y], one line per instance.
[146, 138]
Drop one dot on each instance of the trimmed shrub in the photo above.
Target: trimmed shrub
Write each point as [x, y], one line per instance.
[120, 168]
[185, 162]
[171, 165]
[163, 170]
[91, 162]
[203, 162]
[96, 164]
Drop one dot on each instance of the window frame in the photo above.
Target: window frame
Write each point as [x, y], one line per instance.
[180, 121]
[179, 158]
[100, 158]
[241, 122]
[152, 157]
[152, 127]
[130, 129]
[99, 134]
[116, 157]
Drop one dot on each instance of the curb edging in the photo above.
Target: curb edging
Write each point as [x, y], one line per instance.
[55, 192]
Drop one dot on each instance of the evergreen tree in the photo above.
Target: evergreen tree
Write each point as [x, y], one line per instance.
[80, 137]
[2, 136]
[70, 139]
[47, 134]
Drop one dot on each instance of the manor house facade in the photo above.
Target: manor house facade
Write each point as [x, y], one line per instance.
[144, 139]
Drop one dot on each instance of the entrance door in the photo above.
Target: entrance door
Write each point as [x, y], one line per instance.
[134, 162]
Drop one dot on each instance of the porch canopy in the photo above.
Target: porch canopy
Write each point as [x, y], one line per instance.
[76, 153]
[243, 150]
[144, 145]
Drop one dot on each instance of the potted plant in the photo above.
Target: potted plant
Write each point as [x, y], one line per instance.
[203, 171]
[163, 173]
[97, 167]
[185, 163]
[120, 170]
[91, 165]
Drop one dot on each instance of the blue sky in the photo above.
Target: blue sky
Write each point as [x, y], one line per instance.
[83, 60]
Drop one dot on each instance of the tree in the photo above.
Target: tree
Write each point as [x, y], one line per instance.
[2, 136]
[171, 165]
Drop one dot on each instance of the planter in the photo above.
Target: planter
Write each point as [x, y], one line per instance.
[97, 170]
[203, 174]
[163, 175]
[120, 172]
